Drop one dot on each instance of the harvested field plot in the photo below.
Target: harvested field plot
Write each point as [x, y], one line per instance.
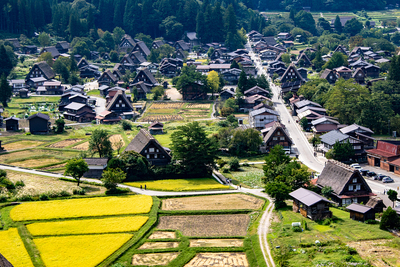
[76, 208]
[204, 106]
[223, 259]
[12, 247]
[207, 225]
[92, 226]
[83, 146]
[84, 250]
[218, 202]
[216, 243]
[167, 105]
[159, 245]
[35, 153]
[37, 184]
[115, 139]
[152, 259]
[376, 250]
[65, 143]
[162, 118]
[32, 163]
[196, 116]
[22, 144]
[162, 235]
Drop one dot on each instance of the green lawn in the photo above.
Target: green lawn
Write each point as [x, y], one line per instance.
[94, 93]
[198, 184]
[249, 176]
[331, 238]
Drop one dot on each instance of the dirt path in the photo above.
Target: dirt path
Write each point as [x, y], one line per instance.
[173, 94]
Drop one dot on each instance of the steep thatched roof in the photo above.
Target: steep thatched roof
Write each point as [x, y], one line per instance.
[4, 262]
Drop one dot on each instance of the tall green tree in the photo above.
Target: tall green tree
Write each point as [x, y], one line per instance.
[389, 219]
[338, 24]
[5, 90]
[112, 177]
[392, 195]
[337, 60]
[100, 143]
[193, 149]
[343, 151]
[394, 70]
[5, 62]
[76, 168]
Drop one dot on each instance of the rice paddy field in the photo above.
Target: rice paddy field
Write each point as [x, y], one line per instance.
[197, 184]
[92, 232]
[86, 207]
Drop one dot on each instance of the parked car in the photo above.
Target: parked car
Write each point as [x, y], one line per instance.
[387, 179]
[371, 174]
[355, 165]
[379, 176]
[364, 172]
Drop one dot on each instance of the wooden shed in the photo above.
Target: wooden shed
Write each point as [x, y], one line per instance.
[376, 203]
[39, 123]
[310, 204]
[360, 212]
[12, 124]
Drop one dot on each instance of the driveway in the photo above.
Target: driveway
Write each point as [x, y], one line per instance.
[173, 93]
[100, 104]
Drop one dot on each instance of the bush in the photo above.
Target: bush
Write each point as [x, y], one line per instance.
[93, 121]
[65, 193]
[118, 191]
[3, 173]
[80, 191]
[296, 229]
[3, 198]
[20, 183]
[389, 219]
[7, 183]
[221, 163]
[225, 170]
[44, 196]
[126, 126]
[234, 164]
[371, 222]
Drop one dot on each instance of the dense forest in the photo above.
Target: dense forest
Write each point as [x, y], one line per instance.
[158, 18]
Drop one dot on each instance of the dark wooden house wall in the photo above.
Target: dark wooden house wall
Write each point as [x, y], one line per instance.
[38, 125]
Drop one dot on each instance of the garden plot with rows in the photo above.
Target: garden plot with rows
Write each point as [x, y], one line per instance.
[74, 232]
[193, 232]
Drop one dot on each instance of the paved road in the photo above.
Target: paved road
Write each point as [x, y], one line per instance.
[100, 104]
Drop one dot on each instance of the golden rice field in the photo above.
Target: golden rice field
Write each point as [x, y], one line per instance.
[167, 105]
[90, 226]
[181, 184]
[205, 106]
[76, 208]
[81, 250]
[13, 249]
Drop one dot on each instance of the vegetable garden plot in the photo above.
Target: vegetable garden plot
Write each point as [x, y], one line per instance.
[226, 259]
[167, 105]
[162, 118]
[204, 106]
[65, 143]
[152, 259]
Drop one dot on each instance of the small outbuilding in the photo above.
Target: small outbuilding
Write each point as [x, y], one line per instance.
[23, 93]
[376, 203]
[360, 212]
[12, 124]
[39, 123]
[156, 128]
[96, 167]
[310, 204]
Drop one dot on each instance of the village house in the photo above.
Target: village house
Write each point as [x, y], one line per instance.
[303, 61]
[39, 70]
[142, 90]
[302, 104]
[227, 93]
[144, 75]
[386, 155]
[52, 50]
[39, 123]
[258, 118]
[107, 117]
[96, 167]
[79, 112]
[157, 44]
[136, 57]
[291, 80]
[341, 49]
[181, 45]
[268, 54]
[310, 204]
[343, 72]
[29, 50]
[51, 88]
[146, 145]
[276, 135]
[70, 97]
[371, 71]
[347, 183]
[62, 47]
[251, 101]
[156, 128]
[17, 85]
[329, 139]
[231, 76]
[192, 38]
[362, 133]
[194, 91]
[256, 90]
[329, 75]
[324, 125]
[107, 78]
[121, 105]
[127, 44]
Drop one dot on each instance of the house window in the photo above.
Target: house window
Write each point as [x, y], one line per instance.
[351, 187]
[148, 156]
[355, 200]
[123, 105]
[358, 187]
[158, 150]
[274, 138]
[354, 180]
[357, 147]
[117, 105]
[151, 150]
[282, 138]
[155, 156]
[278, 133]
